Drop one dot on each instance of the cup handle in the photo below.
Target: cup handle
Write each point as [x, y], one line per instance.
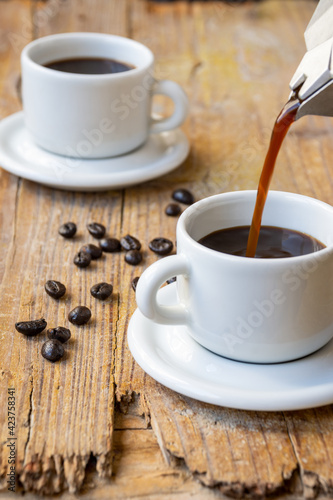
[177, 94]
[148, 285]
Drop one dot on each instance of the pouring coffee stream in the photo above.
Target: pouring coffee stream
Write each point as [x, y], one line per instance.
[280, 129]
[312, 94]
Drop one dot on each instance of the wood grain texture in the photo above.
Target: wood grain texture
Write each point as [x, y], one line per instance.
[235, 62]
[240, 453]
[64, 411]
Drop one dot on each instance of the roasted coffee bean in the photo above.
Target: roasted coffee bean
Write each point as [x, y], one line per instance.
[67, 230]
[59, 333]
[31, 328]
[128, 242]
[171, 280]
[135, 282]
[101, 290]
[82, 259]
[173, 209]
[94, 251]
[53, 350]
[55, 289]
[161, 246]
[96, 230]
[79, 315]
[110, 245]
[183, 196]
[133, 257]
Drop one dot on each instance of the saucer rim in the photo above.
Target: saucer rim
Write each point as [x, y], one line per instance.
[229, 396]
[106, 181]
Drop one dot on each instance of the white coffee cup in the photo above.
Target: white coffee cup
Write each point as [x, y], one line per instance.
[255, 310]
[93, 116]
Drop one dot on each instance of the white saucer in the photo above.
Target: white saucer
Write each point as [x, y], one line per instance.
[173, 358]
[21, 156]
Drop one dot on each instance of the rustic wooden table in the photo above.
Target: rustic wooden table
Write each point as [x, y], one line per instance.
[95, 423]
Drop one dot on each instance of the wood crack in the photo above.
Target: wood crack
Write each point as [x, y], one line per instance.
[122, 210]
[28, 424]
[310, 483]
[17, 195]
[196, 67]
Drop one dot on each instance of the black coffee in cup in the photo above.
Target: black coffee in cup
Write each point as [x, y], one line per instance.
[89, 66]
[274, 242]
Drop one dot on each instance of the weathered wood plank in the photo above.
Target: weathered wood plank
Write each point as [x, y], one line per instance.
[70, 413]
[241, 453]
[143, 214]
[64, 411]
[241, 63]
[15, 32]
[11, 242]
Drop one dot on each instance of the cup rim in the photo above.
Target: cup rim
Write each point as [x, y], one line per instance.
[241, 260]
[26, 56]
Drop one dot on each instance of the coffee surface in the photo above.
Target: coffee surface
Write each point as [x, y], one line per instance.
[273, 242]
[89, 66]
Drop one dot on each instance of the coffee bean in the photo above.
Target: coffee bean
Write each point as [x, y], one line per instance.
[128, 242]
[161, 246]
[133, 257]
[59, 333]
[31, 328]
[94, 251]
[82, 259]
[79, 315]
[173, 209]
[53, 350]
[171, 280]
[110, 245]
[96, 230]
[101, 290]
[135, 282]
[183, 196]
[67, 230]
[55, 289]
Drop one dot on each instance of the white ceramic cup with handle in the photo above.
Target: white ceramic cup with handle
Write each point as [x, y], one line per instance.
[93, 115]
[247, 309]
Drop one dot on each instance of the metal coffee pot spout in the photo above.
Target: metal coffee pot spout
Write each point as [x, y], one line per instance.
[313, 80]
